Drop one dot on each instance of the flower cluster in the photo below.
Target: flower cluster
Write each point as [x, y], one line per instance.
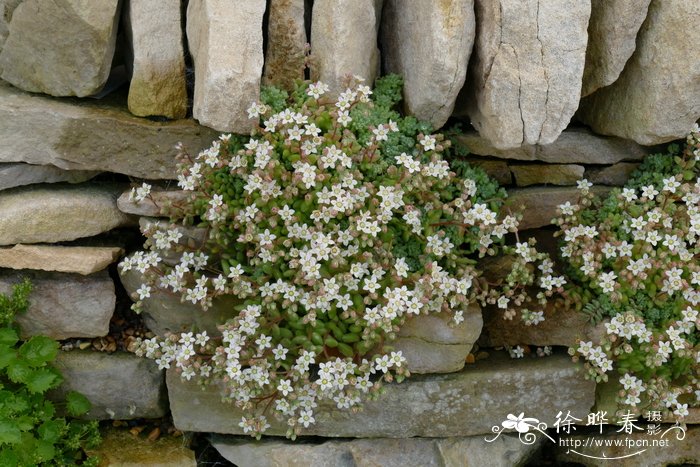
[329, 244]
[635, 260]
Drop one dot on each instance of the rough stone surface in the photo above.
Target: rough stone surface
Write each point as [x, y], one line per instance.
[119, 385]
[615, 175]
[158, 78]
[61, 47]
[652, 101]
[59, 213]
[428, 44]
[77, 259]
[7, 7]
[64, 305]
[499, 170]
[13, 175]
[286, 42]
[560, 327]
[540, 203]
[344, 41]
[526, 78]
[454, 404]
[612, 33]
[677, 452]
[153, 205]
[226, 43]
[120, 448]
[90, 135]
[536, 174]
[506, 451]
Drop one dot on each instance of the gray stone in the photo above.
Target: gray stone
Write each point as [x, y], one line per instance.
[526, 78]
[7, 7]
[91, 135]
[285, 55]
[344, 41]
[539, 204]
[158, 79]
[651, 80]
[498, 170]
[429, 45]
[59, 213]
[574, 146]
[612, 33]
[82, 260]
[120, 386]
[154, 205]
[120, 448]
[466, 403]
[506, 451]
[615, 175]
[64, 305]
[62, 47]
[547, 174]
[13, 175]
[684, 451]
[226, 43]
[423, 357]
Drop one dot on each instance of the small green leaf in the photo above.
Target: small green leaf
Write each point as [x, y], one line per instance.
[39, 350]
[77, 404]
[51, 430]
[8, 336]
[7, 356]
[9, 432]
[42, 380]
[19, 371]
[45, 450]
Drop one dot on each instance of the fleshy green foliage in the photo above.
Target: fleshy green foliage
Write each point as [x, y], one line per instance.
[30, 431]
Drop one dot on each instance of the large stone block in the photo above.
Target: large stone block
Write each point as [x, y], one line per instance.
[76, 259]
[153, 205]
[64, 305]
[344, 41]
[119, 385]
[285, 55]
[59, 213]
[14, 175]
[92, 135]
[614, 175]
[7, 7]
[226, 42]
[547, 174]
[466, 403]
[120, 448]
[158, 79]
[61, 47]
[656, 99]
[429, 45]
[525, 82]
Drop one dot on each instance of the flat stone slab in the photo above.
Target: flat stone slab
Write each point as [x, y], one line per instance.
[506, 451]
[59, 213]
[13, 175]
[573, 146]
[78, 259]
[120, 386]
[547, 174]
[153, 205]
[64, 305]
[614, 175]
[467, 403]
[120, 448]
[92, 135]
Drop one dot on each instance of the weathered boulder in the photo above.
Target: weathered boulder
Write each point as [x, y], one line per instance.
[285, 55]
[574, 146]
[62, 47]
[57, 213]
[226, 43]
[120, 448]
[64, 305]
[429, 45]
[612, 33]
[614, 175]
[652, 102]
[13, 175]
[549, 174]
[525, 83]
[153, 205]
[540, 203]
[344, 41]
[119, 385]
[506, 451]
[158, 79]
[7, 7]
[426, 405]
[92, 135]
[76, 259]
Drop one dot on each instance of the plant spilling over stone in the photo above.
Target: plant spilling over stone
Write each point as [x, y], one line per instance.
[634, 260]
[30, 431]
[336, 221]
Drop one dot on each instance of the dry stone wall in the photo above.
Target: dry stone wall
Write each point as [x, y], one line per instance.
[95, 94]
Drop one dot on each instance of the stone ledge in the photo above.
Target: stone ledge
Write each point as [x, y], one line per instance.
[467, 403]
